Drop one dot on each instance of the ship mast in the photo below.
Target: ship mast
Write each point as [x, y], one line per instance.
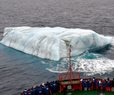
[69, 75]
[69, 79]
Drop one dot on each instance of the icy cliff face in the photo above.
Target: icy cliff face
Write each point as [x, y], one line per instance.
[50, 43]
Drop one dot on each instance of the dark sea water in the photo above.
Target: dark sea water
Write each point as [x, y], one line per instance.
[19, 70]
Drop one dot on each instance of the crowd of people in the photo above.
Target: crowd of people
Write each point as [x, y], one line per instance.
[98, 84]
[44, 89]
[86, 84]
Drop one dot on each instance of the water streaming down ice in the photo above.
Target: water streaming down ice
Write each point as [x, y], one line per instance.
[50, 43]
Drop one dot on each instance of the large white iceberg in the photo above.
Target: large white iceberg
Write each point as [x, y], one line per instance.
[50, 43]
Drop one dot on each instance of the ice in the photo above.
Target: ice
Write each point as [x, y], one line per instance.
[50, 43]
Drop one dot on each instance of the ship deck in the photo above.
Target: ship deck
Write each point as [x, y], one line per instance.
[86, 93]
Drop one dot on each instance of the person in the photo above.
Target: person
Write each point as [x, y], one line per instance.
[94, 83]
[88, 84]
[33, 90]
[29, 91]
[39, 90]
[108, 87]
[112, 85]
[99, 84]
[46, 90]
[58, 85]
[54, 87]
[25, 92]
[83, 84]
[65, 90]
[51, 87]
[104, 85]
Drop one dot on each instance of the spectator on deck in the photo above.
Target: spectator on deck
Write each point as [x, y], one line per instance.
[113, 85]
[99, 84]
[25, 92]
[88, 84]
[94, 83]
[52, 87]
[108, 87]
[104, 85]
[46, 90]
[39, 90]
[65, 90]
[33, 91]
[83, 84]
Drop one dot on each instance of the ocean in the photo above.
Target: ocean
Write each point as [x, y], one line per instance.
[19, 70]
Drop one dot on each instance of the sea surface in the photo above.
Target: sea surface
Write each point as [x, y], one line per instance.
[19, 70]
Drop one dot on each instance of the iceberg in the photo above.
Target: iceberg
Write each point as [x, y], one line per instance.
[50, 43]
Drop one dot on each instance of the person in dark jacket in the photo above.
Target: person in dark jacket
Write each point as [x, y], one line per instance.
[104, 85]
[113, 85]
[99, 84]
[25, 92]
[33, 91]
[88, 84]
[39, 90]
[94, 83]
[65, 90]
[113, 82]
[83, 84]
[108, 87]
[46, 90]
[58, 85]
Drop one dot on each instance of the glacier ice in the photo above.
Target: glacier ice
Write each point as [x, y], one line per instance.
[50, 43]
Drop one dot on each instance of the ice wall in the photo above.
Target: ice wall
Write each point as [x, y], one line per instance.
[50, 43]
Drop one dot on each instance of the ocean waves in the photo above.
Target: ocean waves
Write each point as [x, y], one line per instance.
[90, 65]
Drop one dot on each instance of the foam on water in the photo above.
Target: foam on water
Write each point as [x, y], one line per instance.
[96, 66]
[87, 66]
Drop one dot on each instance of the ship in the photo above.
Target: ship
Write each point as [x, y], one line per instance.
[71, 83]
